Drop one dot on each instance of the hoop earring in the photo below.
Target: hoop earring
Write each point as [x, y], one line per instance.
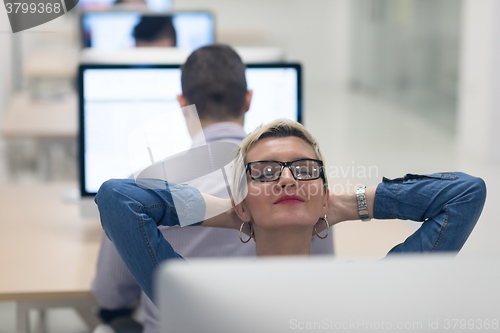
[327, 228]
[241, 232]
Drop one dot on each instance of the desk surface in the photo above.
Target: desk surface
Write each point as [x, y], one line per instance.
[47, 251]
[51, 64]
[26, 117]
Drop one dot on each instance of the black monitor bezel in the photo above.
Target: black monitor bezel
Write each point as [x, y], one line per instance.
[81, 127]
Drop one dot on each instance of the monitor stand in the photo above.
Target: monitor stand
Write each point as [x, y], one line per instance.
[88, 208]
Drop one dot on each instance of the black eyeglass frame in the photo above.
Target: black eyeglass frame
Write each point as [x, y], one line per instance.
[289, 166]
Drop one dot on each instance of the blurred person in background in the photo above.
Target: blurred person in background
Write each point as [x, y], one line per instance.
[130, 2]
[155, 31]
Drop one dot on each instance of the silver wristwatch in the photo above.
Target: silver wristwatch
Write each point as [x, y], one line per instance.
[362, 207]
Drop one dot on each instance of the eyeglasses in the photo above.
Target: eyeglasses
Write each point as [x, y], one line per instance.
[270, 171]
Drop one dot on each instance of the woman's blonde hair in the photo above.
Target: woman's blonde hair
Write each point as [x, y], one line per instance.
[280, 128]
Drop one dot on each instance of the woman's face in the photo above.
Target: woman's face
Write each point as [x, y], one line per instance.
[287, 201]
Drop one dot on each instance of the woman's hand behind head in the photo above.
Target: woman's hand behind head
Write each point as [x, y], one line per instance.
[219, 213]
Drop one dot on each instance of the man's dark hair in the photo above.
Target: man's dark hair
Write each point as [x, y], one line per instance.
[151, 28]
[213, 78]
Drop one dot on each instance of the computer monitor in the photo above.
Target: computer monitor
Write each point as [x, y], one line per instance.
[152, 5]
[420, 293]
[106, 30]
[115, 99]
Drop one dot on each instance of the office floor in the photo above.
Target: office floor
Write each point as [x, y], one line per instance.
[362, 133]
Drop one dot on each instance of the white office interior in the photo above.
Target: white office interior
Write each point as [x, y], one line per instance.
[389, 87]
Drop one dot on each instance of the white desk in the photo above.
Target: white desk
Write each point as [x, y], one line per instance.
[51, 64]
[26, 117]
[49, 123]
[48, 252]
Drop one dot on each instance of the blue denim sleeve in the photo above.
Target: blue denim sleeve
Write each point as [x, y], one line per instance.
[130, 215]
[448, 204]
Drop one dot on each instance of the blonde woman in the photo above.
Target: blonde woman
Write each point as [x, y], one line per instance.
[282, 200]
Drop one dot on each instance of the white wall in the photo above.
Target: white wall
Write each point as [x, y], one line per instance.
[315, 33]
[479, 82]
[5, 80]
[5, 56]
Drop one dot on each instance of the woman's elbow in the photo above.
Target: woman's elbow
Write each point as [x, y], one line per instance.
[111, 199]
[473, 192]
[478, 189]
[106, 195]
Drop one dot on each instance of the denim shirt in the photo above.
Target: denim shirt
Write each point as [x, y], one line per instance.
[448, 204]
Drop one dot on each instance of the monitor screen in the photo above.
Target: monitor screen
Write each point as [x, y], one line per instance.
[119, 30]
[152, 5]
[115, 99]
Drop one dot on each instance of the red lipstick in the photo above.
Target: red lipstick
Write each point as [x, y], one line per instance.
[289, 199]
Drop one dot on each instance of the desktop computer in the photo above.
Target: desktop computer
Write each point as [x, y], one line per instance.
[414, 293]
[113, 30]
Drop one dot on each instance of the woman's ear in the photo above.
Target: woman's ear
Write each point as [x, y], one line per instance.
[242, 211]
